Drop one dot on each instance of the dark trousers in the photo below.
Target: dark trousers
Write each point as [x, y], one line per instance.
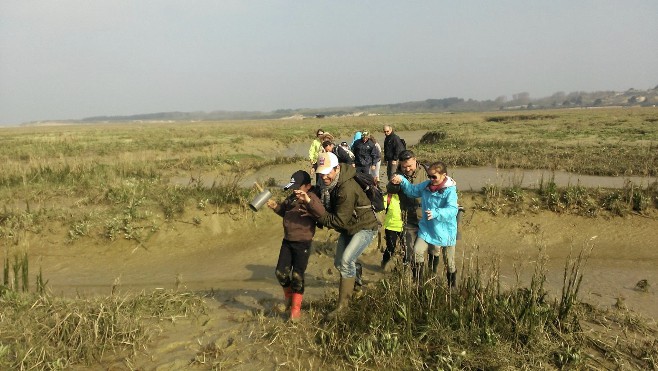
[391, 241]
[293, 260]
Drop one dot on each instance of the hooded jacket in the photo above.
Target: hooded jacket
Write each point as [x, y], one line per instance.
[350, 209]
[298, 226]
[441, 230]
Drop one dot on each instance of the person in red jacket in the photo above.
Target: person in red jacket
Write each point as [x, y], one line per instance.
[298, 232]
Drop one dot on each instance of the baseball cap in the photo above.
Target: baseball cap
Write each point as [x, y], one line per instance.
[326, 162]
[298, 178]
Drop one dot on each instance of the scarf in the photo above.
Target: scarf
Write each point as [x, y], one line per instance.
[434, 188]
[326, 193]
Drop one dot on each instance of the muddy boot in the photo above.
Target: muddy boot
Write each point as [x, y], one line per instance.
[344, 294]
[434, 263]
[287, 296]
[358, 280]
[385, 259]
[417, 270]
[452, 279]
[296, 306]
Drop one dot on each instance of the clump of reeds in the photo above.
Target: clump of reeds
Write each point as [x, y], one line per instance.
[43, 332]
[572, 199]
[400, 324]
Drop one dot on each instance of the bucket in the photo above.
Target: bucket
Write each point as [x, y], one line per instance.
[260, 200]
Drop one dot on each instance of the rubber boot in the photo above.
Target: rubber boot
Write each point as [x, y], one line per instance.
[417, 272]
[287, 295]
[434, 263]
[345, 291]
[358, 280]
[296, 306]
[452, 279]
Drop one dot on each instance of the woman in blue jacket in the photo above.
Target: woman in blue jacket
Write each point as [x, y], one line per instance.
[437, 230]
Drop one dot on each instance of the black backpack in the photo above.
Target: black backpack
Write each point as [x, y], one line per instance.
[404, 144]
[375, 195]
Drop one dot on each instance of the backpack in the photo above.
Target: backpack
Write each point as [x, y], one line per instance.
[375, 195]
[404, 144]
[348, 150]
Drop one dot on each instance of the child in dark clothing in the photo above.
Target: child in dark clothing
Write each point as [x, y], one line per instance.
[298, 231]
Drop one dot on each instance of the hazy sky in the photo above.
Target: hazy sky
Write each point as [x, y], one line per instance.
[69, 59]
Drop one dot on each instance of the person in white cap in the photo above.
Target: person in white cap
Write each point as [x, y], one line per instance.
[298, 232]
[347, 210]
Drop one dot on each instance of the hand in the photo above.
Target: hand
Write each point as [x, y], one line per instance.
[302, 196]
[394, 163]
[428, 212]
[396, 179]
[271, 204]
[373, 167]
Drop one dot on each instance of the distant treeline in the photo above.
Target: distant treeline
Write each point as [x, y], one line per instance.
[520, 101]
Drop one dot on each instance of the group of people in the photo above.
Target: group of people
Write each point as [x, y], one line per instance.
[421, 211]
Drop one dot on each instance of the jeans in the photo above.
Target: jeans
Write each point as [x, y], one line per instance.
[348, 250]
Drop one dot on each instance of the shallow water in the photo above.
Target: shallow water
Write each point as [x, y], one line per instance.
[468, 178]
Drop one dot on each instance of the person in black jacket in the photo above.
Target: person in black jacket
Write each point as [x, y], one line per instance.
[393, 146]
[340, 152]
[366, 155]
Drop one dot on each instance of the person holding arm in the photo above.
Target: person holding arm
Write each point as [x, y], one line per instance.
[438, 225]
[348, 210]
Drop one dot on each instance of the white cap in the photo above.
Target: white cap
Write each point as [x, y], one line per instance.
[326, 162]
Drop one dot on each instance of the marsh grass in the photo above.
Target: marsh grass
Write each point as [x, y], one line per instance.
[572, 199]
[41, 332]
[398, 324]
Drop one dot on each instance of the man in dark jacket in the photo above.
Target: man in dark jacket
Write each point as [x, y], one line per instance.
[411, 169]
[349, 212]
[366, 155]
[393, 146]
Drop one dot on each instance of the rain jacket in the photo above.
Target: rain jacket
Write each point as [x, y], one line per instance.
[298, 226]
[350, 210]
[314, 151]
[393, 214]
[442, 229]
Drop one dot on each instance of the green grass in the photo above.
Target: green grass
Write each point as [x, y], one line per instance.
[483, 324]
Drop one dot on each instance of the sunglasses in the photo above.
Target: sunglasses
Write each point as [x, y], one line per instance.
[320, 134]
[434, 177]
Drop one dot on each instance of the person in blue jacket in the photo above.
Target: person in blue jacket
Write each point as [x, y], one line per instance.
[437, 230]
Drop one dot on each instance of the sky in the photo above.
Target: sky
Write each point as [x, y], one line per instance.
[70, 59]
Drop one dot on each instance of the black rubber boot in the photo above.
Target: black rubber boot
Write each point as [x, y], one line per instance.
[434, 263]
[358, 281]
[452, 279]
